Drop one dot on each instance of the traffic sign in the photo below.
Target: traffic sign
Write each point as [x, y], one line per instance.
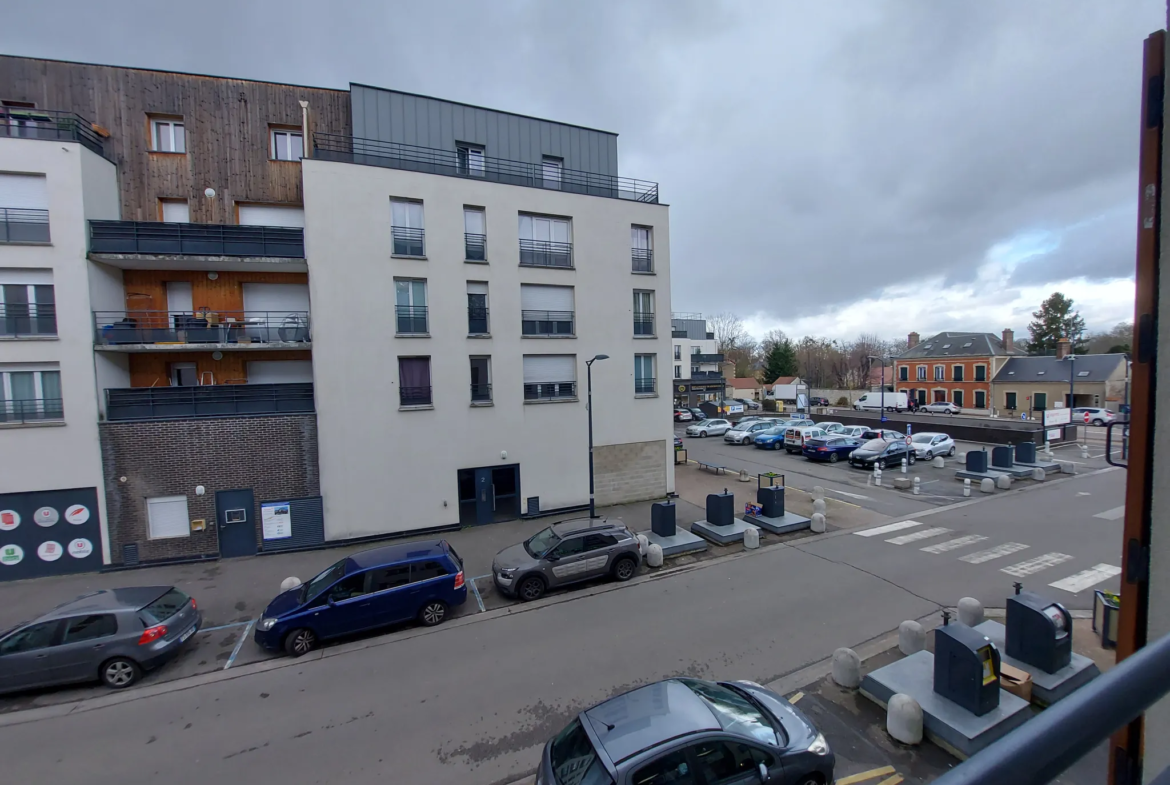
[1086, 418]
[908, 440]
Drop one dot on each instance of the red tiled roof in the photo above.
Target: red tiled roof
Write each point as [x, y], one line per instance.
[785, 379]
[744, 384]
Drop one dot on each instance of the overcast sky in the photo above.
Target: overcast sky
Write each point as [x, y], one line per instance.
[831, 167]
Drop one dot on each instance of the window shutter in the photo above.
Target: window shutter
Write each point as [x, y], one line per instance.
[477, 287]
[546, 298]
[168, 517]
[550, 368]
[23, 191]
[271, 215]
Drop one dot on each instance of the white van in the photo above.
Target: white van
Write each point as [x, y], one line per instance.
[894, 402]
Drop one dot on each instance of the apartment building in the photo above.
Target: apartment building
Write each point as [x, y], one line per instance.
[697, 364]
[953, 366]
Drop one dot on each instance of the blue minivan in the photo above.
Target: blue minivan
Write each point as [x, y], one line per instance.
[374, 588]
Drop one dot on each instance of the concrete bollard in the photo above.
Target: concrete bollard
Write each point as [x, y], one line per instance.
[846, 668]
[962, 458]
[818, 492]
[743, 476]
[289, 583]
[817, 524]
[904, 719]
[917, 482]
[1003, 482]
[654, 555]
[904, 466]
[987, 485]
[643, 544]
[819, 506]
[1084, 451]
[938, 462]
[967, 487]
[1048, 449]
[1068, 467]
[877, 476]
[1038, 474]
[911, 638]
[751, 538]
[970, 612]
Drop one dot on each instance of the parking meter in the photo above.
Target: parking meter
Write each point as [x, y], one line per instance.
[662, 521]
[771, 499]
[1039, 632]
[721, 508]
[966, 668]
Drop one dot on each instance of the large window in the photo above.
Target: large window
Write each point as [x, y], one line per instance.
[24, 208]
[481, 379]
[477, 308]
[550, 377]
[940, 373]
[27, 309]
[1009, 400]
[168, 136]
[641, 249]
[545, 242]
[410, 306]
[406, 228]
[1039, 401]
[958, 373]
[166, 517]
[644, 313]
[677, 352]
[546, 310]
[903, 373]
[287, 145]
[980, 373]
[30, 395]
[644, 383]
[414, 381]
[474, 234]
[921, 373]
[471, 159]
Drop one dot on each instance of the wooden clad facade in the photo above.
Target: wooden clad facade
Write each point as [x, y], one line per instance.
[146, 290]
[227, 126]
[153, 369]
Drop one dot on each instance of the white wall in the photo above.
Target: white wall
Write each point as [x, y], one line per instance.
[386, 470]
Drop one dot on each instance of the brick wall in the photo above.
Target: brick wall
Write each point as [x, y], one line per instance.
[629, 472]
[274, 456]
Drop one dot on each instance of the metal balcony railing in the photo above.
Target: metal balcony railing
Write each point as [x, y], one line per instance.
[414, 396]
[475, 247]
[50, 125]
[706, 358]
[32, 410]
[20, 320]
[706, 374]
[643, 324]
[408, 242]
[644, 386]
[546, 322]
[544, 253]
[547, 391]
[410, 319]
[178, 239]
[212, 400]
[114, 328]
[481, 393]
[395, 155]
[21, 225]
[477, 320]
[642, 259]
[678, 333]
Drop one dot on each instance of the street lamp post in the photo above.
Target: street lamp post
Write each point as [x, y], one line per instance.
[882, 360]
[589, 408]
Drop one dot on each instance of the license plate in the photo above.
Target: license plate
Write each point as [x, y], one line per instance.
[186, 635]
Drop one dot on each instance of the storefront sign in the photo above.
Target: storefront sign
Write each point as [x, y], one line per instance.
[276, 520]
[1053, 435]
[80, 548]
[1061, 416]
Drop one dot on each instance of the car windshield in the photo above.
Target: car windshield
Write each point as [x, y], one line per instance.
[703, 422]
[875, 445]
[922, 438]
[541, 543]
[817, 442]
[164, 607]
[574, 761]
[322, 581]
[735, 713]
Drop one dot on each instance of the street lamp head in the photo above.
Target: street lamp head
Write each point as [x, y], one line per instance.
[596, 358]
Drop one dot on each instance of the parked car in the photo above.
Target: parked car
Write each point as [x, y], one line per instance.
[854, 431]
[709, 428]
[881, 453]
[749, 403]
[419, 580]
[889, 436]
[1096, 416]
[831, 427]
[688, 731]
[928, 445]
[818, 401]
[677, 442]
[565, 553]
[771, 438]
[683, 415]
[831, 448]
[874, 401]
[794, 438]
[940, 407]
[697, 413]
[112, 636]
[744, 433]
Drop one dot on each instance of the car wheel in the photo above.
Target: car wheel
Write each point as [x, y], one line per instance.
[300, 642]
[881, 465]
[812, 779]
[702, 434]
[531, 588]
[119, 673]
[432, 613]
[1098, 423]
[833, 458]
[929, 455]
[951, 454]
[624, 568]
[910, 459]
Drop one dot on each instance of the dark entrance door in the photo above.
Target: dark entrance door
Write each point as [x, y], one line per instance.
[234, 511]
[488, 495]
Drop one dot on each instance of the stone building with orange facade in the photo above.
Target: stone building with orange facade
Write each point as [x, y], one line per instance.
[953, 366]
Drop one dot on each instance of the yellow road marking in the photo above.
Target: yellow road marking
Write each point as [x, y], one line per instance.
[796, 697]
[891, 781]
[867, 775]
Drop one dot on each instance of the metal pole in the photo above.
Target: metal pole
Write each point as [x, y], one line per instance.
[589, 408]
[883, 416]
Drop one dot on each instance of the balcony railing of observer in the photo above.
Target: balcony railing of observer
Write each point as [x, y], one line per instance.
[414, 396]
[644, 385]
[546, 322]
[114, 328]
[475, 247]
[408, 241]
[395, 155]
[643, 260]
[549, 391]
[24, 320]
[643, 324]
[50, 125]
[21, 225]
[481, 393]
[545, 253]
[477, 320]
[178, 239]
[32, 410]
[706, 358]
[410, 319]
[211, 400]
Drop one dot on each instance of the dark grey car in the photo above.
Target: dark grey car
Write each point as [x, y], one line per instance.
[564, 553]
[689, 732]
[110, 636]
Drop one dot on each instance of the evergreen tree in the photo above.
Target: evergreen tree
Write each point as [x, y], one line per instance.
[780, 361]
[1056, 319]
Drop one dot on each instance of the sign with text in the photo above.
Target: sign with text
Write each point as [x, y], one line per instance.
[1061, 416]
[276, 520]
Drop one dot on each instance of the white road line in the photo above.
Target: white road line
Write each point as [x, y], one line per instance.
[889, 527]
[1033, 566]
[1086, 578]
[924, 534]
[1112, 515]
[958, 542]
[1006, 549]
[846, 493]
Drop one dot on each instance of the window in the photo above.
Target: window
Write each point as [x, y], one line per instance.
[474, 234]
[347, 588]
[1082, 373]
[481, 379]
[387, 578]
[167, 517]
[477, 308]
[551, 168]
[287, 145]
[957, 398]
[414, 381]
[980, 373]
[641, 249]
[425, 571]
[644, 374]
[174, 211]
[677, 352]
[24, 208]
[406, 228]
[570, 547]
[678, 371]
[595, 542]
[1039, 401]
[184, 375]
[695, 370]
[946, 346]
[546, 310]
[545, 242]
[726, 761]
[967, 345]
[27, 309]
[36, 636]
[921, 373]
[164, 607]
[1009, 400]
[904, 373]
[550, 376]
[671, 769]
[958, 373]
[644, 313]
[410, 306]
[87, 628]
[471, 161]
[30, 396]
[574, 761]
[980, 399]
[168, 136]
[940, 373]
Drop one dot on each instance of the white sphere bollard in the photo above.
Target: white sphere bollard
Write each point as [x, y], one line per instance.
[846, 668]
[289, 583]
[967, 487]
[654, 555]
[962, 458]
[818, 492]
[1003, 482]
[1038, 474]
[751, 538]
[970, 612]
[1084, 451]
[817, 523]
[643, 544]
[904, 719]
[987, 485]
[819, 506]
[911, 638]
[938, 462]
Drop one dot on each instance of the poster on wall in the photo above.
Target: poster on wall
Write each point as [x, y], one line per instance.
[276, 520]
[49, 533]
[1053, 435]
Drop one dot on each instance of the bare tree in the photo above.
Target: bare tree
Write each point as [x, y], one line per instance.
[729, 331]
[771, 338]
[816, 356]
[744, 355]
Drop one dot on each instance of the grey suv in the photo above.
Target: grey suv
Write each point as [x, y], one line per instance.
[564, 553]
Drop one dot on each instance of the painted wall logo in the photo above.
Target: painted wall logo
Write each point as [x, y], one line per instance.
[50, 551]
[46, 516]
[9, 520]
[11, 554]
[80, 548]
[77, 514]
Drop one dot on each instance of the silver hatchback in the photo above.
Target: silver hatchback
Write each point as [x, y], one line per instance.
[564, 553]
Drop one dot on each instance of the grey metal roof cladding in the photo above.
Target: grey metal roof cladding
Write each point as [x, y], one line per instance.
[1099, 367]
[974, 345]
[696, 329]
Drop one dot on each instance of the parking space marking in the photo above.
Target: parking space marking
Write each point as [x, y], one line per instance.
[958, 542]
[889, 527]
[1086, 578]
[924, 534]
[892, 780]
[475, 591]
[1112, 515]
[1033, 566]
[224, 626]
[865, 775]
[796, 697]
[1007, 549]
[850, 495]
[239, 645]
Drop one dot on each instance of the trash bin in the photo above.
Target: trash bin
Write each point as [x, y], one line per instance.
[1106, 614]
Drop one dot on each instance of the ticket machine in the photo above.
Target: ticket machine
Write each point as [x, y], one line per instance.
[1039, 632]
[966, 668]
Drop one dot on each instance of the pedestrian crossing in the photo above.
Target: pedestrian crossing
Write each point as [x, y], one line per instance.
[917, 532]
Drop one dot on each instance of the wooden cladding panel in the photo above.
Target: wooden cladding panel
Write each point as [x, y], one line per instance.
[146, 290]
[226, 121]
[154, 369]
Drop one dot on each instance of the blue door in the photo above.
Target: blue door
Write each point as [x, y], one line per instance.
[344, 608]
[237, 530]
[391, 594]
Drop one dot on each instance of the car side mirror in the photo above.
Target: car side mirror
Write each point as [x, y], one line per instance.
[332, 602]
[763, 772]
[551, 557]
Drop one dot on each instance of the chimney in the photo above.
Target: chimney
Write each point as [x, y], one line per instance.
[911, 340]
[1009, 340]
[1063, 348]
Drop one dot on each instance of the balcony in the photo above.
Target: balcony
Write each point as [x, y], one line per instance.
[481, 393]
[414, 396]
[645, 386]
[678, 333]
[33, 410]
[20, 320]
[475, 247]
[550, 391]
[642, 260]
[644, 324]
[120, 242]
[706, 358]
[213, 400]
[477, 321]
[410, 319]
[394, 155]
[544, 253]
[546, 323]
[408, 242]
[20, 225]
[50, 125]
[203, 330]
[706, 374]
